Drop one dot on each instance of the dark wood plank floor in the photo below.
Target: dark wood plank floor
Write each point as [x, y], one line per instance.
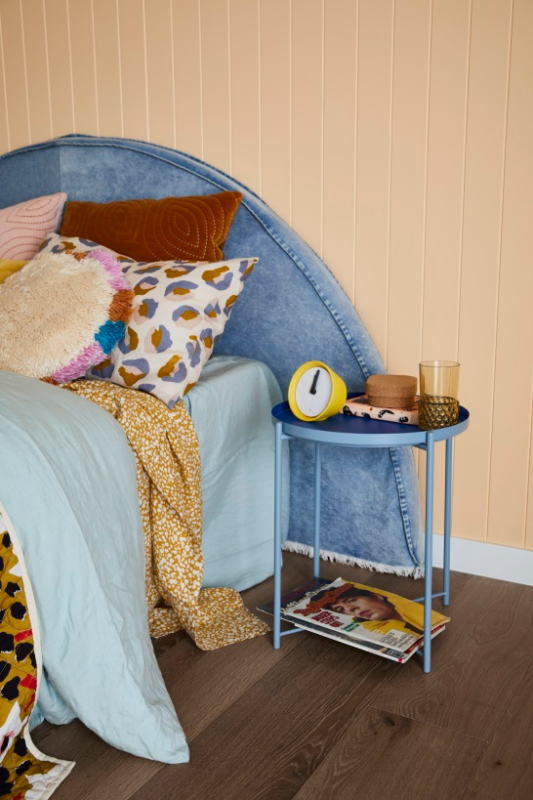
[319, 721]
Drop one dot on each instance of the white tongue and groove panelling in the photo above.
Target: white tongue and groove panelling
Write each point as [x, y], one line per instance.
[395, 136]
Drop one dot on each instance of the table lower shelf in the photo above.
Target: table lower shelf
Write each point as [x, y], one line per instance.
[288, 428]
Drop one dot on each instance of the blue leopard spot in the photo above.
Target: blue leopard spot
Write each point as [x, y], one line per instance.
[185, 315]
[222, 283]
[179, 288]
[145, 285]
[158, 340]
[146, 270]
[212, 310]
[246, 268]
[130, 341]
[206, 336]
[178, 375]
[104, 369]
[147, 308]
[194, 350]
[133, 370]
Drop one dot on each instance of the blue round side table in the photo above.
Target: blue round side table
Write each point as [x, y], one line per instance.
[347, 431]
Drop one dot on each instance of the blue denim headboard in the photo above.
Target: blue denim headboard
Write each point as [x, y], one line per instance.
[292, 310]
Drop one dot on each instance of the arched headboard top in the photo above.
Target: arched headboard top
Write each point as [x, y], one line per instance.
[292, 310]
[102, 169]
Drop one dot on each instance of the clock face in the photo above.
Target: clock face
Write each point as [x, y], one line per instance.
[313, 391]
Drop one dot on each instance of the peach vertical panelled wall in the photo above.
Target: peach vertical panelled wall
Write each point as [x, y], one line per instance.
[394, 135]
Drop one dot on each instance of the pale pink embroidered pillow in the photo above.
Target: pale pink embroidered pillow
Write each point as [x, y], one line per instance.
[24, 226]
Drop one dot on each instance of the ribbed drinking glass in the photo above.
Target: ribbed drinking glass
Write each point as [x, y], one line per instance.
[439, 394]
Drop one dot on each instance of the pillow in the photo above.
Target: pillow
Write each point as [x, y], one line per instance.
[61, 314]
[189, 228]
[24, 226]
[179, 310]
[8, 266]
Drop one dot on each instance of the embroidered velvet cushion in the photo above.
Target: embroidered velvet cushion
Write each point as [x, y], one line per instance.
[8, 266]
[188, 228]
[179, 310]
[61, 314]
[24, 226]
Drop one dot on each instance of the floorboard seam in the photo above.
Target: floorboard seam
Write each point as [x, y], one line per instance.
[224, 711]
[504, 712]
[41, 743]
[333, 744]
[471, 778]
[336, 743]
[495, 731]
[319, 729]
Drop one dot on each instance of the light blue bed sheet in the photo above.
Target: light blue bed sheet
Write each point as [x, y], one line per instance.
[230, 407]
[68, 485]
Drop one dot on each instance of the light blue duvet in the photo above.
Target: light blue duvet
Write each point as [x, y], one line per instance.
[230, 407]
[68, 485]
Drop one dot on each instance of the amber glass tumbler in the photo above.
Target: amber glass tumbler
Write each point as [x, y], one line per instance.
[439, 394]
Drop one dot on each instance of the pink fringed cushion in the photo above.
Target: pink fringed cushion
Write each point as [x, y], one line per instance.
[62, 314]
[24, 226]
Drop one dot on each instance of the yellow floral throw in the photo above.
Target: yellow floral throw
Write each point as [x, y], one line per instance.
[170, 489]
[25, 773]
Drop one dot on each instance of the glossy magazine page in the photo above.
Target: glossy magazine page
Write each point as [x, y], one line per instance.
[369, 647]
[362, 613]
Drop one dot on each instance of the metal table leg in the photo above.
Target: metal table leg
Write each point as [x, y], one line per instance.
[430, 465]
[447, 520]
[277, 536]
[316, 539]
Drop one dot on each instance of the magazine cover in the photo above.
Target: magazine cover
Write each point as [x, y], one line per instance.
[364, 613]
[295, 595]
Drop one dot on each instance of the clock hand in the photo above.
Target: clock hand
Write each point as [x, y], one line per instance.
[312, 390]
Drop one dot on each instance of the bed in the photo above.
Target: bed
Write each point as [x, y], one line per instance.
[293, 310]
[237, 454]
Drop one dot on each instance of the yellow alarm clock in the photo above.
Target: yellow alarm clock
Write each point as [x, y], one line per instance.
[316, 392]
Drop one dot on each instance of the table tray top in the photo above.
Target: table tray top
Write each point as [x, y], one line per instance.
[360, 431]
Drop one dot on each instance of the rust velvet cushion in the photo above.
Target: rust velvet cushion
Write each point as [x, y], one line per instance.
[186, 228]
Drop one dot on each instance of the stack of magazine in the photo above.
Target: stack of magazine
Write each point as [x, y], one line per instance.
[374, 620]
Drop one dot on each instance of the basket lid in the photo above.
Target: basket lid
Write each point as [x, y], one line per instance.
[391, 385]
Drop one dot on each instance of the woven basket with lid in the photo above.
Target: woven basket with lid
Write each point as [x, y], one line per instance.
[391, 391]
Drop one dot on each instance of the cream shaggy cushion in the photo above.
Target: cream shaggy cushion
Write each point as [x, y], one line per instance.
[60, 315]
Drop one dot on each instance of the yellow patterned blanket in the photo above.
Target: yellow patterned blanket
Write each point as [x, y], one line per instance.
[25, 773]
[170, 489]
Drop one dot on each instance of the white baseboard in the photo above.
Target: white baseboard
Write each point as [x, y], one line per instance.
[489, 560]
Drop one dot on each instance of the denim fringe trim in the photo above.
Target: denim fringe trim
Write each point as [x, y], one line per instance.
[352, 561]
